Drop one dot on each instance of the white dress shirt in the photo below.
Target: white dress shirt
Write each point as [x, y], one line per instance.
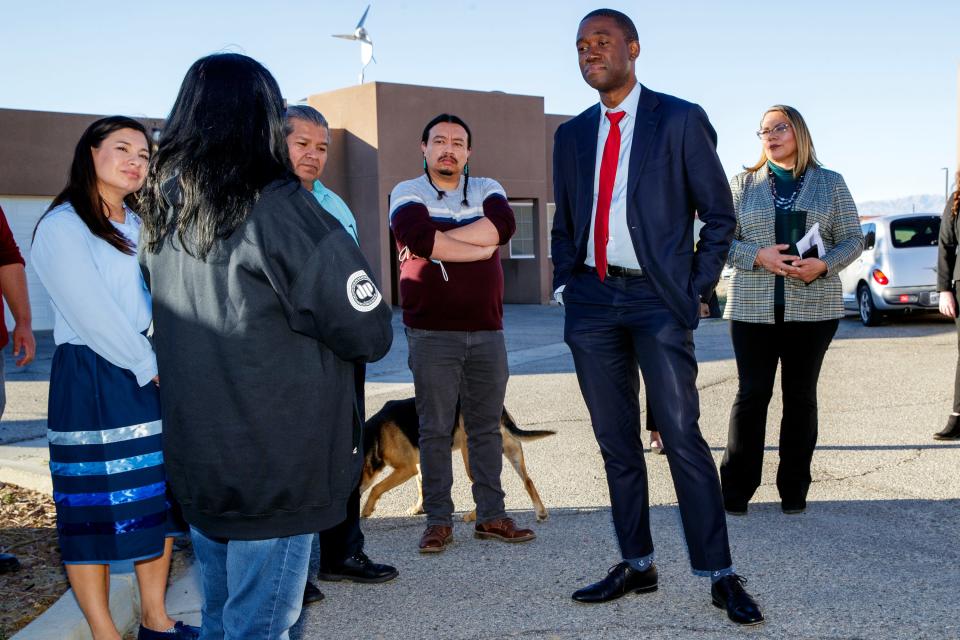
[620, 251]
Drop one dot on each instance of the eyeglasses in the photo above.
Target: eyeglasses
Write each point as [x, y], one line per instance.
[776, 132]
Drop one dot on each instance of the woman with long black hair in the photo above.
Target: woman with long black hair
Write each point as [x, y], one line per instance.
[262, 306]
[104, 424]
[948, 272]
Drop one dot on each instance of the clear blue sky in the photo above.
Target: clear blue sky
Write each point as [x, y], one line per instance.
[877, 81]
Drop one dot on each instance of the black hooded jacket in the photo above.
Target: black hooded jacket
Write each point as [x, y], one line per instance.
[256, 348]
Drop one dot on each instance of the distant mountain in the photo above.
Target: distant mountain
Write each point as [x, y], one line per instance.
[919, 203]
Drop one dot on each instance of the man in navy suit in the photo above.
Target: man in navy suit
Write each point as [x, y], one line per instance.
[629, 175]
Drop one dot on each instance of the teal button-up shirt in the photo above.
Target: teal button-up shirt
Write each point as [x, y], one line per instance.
[335, 206]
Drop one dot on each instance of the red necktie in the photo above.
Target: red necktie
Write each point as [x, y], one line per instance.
[608, 175]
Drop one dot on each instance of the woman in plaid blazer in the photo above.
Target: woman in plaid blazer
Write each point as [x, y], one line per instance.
[783, 308]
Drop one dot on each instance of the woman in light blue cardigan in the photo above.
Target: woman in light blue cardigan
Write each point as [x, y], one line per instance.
[784, 308]
[103, 424]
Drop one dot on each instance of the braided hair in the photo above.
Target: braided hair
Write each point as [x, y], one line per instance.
[450, 119]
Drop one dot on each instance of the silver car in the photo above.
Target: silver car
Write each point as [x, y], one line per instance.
[897, 271]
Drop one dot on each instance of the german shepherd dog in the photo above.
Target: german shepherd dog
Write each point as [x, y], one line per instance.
[391, 437]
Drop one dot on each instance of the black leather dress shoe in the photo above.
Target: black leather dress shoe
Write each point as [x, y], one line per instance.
[735, 509]
[359, 568]
[621, 579]
[311, 594]
[728, 593]
[793, 507]
[734, 506]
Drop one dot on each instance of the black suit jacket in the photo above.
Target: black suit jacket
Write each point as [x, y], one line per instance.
[948, 270]
[674, 173]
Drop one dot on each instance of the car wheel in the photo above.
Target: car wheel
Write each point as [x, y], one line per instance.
[869, 315]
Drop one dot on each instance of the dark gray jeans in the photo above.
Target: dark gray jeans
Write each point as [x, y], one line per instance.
[471, 366]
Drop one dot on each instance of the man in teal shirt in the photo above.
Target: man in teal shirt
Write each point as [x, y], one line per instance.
[308, 140]
[335, 206]
[341, 548]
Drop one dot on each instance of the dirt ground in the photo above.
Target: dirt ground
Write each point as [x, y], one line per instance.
[28, 530]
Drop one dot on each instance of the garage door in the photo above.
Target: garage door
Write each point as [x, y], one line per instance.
[22, 214]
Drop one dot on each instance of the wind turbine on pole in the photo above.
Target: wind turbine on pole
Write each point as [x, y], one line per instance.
[366, 44]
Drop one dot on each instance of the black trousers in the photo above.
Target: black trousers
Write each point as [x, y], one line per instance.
[956, 379]
[799, 348]
[346, 539]
[612, 328]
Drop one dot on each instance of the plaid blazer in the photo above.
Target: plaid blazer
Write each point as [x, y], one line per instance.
[750, 292]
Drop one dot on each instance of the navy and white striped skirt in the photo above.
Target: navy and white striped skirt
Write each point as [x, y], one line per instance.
[106, 459]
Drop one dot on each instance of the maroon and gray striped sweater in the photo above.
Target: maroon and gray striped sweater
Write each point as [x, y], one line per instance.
[470, 298]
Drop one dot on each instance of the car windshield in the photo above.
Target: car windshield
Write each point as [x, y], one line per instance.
[920, 231]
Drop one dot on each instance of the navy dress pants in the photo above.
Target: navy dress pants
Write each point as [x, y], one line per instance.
[612, 327]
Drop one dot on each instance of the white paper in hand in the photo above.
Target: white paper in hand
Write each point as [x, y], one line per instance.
[810, 240]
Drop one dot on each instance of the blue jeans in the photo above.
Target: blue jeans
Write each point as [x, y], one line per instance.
[252, 589]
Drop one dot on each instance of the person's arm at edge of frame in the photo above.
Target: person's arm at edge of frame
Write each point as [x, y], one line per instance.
[711, 198]
[13, 283]
[947, 260]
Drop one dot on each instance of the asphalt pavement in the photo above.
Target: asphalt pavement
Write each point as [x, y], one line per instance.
[875, 556]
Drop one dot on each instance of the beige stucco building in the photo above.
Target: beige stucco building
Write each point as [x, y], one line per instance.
[375, 130]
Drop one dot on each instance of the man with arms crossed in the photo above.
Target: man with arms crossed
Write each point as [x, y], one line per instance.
[341, 548]
[629, 174]
[448, 226]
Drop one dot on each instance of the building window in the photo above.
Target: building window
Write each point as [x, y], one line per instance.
[522, 242]
[551, 209]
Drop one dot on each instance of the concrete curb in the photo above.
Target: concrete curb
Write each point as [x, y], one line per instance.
[24, 474]
[64, 620]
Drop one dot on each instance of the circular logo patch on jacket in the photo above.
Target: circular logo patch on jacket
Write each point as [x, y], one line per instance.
[361, 292]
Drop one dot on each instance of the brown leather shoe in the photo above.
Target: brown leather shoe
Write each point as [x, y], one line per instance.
[504, 529]
[435, 538]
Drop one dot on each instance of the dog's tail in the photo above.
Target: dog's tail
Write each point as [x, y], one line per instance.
[373, 455]
[523, 434]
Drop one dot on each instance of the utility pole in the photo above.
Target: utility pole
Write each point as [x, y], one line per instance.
[946, 184]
